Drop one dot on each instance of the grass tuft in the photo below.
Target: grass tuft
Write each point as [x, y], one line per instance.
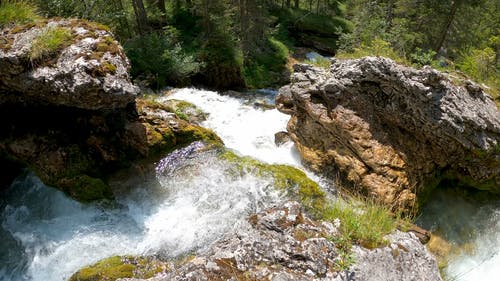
[49, 42]
[14, 12]
[364, 223]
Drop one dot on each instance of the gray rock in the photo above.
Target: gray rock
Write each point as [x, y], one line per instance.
[383, 264]
[282, 243]
[393, 130]
[89, 72]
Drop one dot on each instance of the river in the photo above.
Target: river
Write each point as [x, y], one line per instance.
[46, 236]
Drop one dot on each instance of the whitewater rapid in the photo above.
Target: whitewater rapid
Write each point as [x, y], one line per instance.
[46, 236]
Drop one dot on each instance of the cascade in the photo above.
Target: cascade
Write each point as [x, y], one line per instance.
[46, 236]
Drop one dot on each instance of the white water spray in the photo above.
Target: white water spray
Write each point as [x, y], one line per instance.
[46, 236]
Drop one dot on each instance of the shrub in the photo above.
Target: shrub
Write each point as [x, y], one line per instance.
[421, 57]
[17, 12]
[478, 63]
[49, 42]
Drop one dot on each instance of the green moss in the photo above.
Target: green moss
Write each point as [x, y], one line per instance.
[90, 25]
[285, 177]
[108, 46]
[120, 267]
[49, 42]
[17, 12]
[85, 188]
[190, 133]
[186, 110]
[108, 67]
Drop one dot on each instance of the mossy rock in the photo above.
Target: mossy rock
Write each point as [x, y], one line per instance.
[187, 111]
[85, 188]
[300, 187]
[166, 131]
[116, 267]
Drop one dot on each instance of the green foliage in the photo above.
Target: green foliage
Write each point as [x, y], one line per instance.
[421, 57]
[377, 47]
[265, 69]
[17, 12]
[49, 42]
[109, 12]
[479, 64]
[303, 20]
[159, 58]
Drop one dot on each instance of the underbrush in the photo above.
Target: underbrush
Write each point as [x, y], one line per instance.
[266, 67]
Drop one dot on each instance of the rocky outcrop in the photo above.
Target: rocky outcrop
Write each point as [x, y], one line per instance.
[83, 67]
[282, 243]
[71, 114]
[393, 131]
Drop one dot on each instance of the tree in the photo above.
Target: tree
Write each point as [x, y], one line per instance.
[140, 16]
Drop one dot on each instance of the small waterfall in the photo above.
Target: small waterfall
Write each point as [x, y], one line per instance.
[194, 200]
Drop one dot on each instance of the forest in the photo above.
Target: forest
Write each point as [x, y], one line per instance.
[238, 44]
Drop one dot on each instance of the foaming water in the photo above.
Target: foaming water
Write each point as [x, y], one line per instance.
[47, 236]
[243, 126]
[472, 227]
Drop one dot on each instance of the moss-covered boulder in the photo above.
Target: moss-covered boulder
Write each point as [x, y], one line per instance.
[295, 181]
[68, 109]
[117, 267]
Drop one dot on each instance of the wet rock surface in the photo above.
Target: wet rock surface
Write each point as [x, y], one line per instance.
[282, 243]
[393, 131]
[72, 116]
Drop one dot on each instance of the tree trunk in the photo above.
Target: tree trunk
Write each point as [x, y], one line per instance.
[296, 5]
[161, 6]
[140, 16]
[444, 33]
[288, 2]
[390, 15]
[123, 20]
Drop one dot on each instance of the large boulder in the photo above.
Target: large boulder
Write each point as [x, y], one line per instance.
[65, 63]
[393, 132]
[69, 111]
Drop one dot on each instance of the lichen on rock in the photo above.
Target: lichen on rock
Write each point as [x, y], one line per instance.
[392, 131]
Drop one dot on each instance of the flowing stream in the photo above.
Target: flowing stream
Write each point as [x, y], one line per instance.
[46, 236]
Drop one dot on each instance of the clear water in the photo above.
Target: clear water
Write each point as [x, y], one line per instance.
[192, 202]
